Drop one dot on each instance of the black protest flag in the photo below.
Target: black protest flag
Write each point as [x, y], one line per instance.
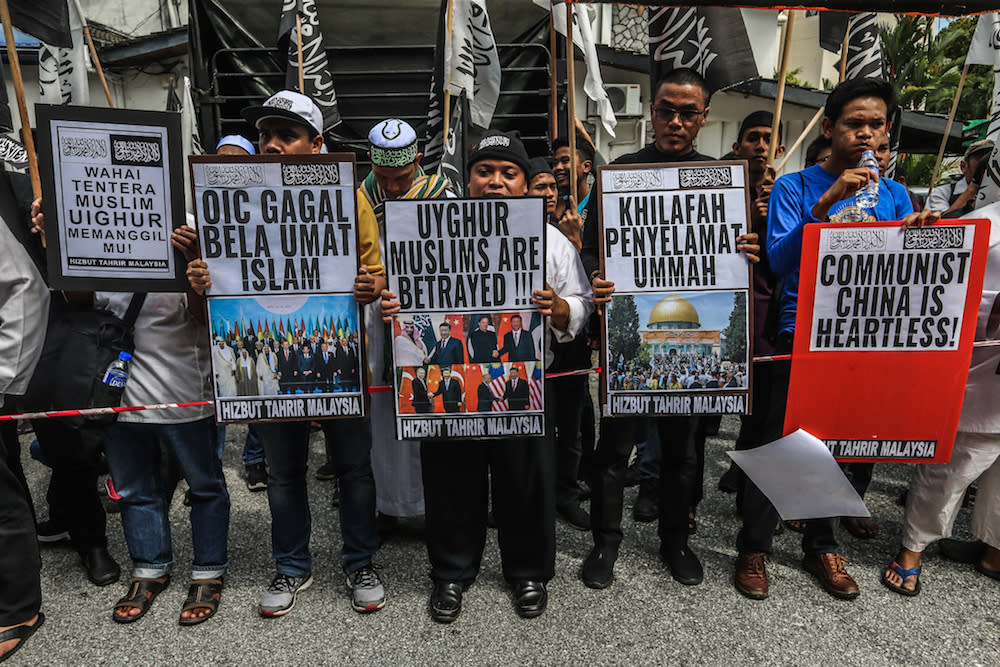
[832, 26]
[45, 20]
[434, 138]
[711, 40]
[452, 165]
[317, 80]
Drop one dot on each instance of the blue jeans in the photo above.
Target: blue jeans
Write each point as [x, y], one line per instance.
[286, 450]
[134, 462]
[253, 450]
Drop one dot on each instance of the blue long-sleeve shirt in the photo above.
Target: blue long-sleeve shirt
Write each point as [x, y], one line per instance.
[790, 209]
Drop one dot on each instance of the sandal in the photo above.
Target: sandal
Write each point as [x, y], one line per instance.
[202, 594]
[861, 527]
[20, 632]
[140, 596]
[904, 574]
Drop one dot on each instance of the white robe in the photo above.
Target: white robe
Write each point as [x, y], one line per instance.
[267, 380]
[224, 368]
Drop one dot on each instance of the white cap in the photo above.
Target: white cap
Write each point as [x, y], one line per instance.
[290, 105]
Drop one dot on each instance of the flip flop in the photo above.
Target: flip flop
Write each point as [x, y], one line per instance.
[992, 574]
[21, 632]
[903, 574]
[861, 527]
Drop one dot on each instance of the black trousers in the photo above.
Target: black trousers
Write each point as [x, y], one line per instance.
[563, 407]
[458, 476]
[74, 456]
[679, 441]
[770, 390]
[20, 565]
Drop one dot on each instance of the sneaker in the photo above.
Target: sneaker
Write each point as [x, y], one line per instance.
[279, 598]
[326, 472]
[367, 591]
[50, 532]
[256, 477]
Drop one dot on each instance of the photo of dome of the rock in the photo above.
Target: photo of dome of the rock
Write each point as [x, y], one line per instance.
[677, 341]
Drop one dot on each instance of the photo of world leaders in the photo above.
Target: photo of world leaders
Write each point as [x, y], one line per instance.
[284, 345]
[483, 362]
[677, 341]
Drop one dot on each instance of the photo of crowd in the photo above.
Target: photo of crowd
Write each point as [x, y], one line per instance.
[284, 345]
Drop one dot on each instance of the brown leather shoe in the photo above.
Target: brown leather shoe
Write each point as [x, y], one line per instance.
[751, 575]
[830, 570]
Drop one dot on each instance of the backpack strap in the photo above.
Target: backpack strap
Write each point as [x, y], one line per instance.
[134, 306]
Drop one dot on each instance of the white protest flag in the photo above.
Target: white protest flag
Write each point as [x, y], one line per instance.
[62, 72]
[985, 50]
[583, 35]
[189, 124]
[471, 61]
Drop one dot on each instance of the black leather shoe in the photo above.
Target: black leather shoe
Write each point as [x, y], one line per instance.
[446, 601]
[598, 570]
[683, 563]
[530, 598]
[102, 569]
[575, 516]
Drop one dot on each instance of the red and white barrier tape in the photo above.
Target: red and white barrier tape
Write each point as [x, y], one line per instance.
[378, 389]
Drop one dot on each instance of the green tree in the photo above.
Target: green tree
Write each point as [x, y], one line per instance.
[645, 355]
[736, 331]
[623, 329]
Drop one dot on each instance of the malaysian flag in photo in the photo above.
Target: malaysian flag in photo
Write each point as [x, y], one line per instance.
[535, 388]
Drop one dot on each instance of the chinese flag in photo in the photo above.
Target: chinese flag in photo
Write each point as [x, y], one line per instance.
[433, 378]
[457, 331]
[473, 376]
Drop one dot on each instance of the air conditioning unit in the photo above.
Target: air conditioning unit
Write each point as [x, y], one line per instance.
[624, 99]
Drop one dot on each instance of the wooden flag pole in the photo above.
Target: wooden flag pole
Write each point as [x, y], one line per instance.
[780, 98]
[447, 85]
[22, 105]
[571, 92]
[97, 65]
[802, 137]
[302, 74]
[947, 128]
[554, 96]
[843, 52]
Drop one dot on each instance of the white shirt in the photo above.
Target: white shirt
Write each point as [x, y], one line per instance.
[981, 409]
[171, 362]
[565, 273]
[937, 200]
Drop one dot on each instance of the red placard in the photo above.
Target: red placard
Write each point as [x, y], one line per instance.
[883, 337]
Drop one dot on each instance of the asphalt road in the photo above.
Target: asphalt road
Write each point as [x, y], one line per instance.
[644, 618]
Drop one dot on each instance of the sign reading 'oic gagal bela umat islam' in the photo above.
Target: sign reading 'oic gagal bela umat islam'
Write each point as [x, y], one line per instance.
[280, 238]
[678, 328]
[113, 192]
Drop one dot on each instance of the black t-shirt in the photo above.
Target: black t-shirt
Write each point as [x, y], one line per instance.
[590, 252]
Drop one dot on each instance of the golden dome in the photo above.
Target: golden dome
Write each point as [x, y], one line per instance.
[674, 309]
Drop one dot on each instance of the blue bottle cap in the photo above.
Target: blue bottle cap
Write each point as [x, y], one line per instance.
[124, 356]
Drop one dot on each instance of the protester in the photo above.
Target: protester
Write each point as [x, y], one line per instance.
[856, 119]
[565, 394]
[458, 473]
[959, 198]
[936, 491]
[291, 123]
[24, 305]
[679, 111]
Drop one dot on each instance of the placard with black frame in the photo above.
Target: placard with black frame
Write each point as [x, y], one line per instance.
[113, 191]
[280, 237]
[468, 344]
[678, 330]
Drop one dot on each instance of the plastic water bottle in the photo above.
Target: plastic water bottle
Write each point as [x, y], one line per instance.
[867, 196]
[117, 374]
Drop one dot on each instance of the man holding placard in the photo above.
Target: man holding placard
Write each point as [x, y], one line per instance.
[856, 119]
[290, 123]
[457, 472]
[679, 111]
